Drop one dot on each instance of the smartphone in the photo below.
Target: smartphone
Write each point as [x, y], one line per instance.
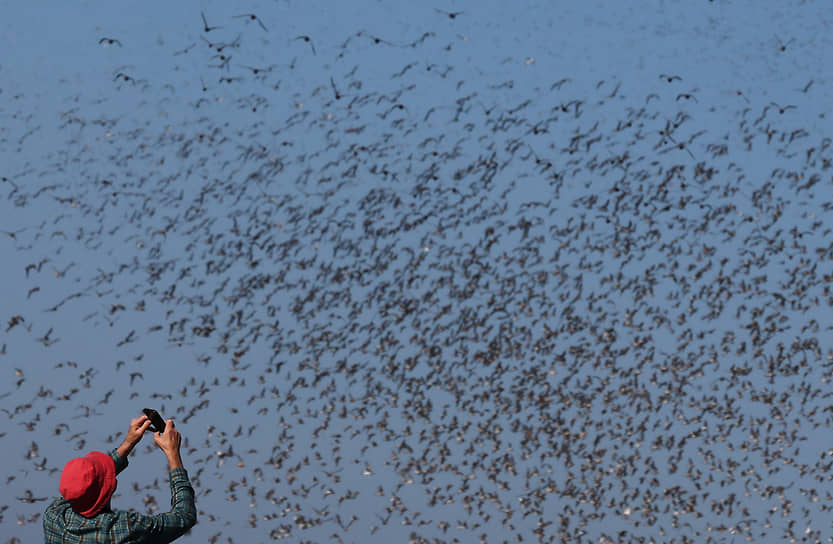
[157, 424]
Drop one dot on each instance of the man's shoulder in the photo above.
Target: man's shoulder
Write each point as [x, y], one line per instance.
[60, 511]
[60, 519]
[57, 507]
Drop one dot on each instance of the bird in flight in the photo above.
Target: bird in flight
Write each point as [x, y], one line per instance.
[309, 41]
[12, 234]
[185, 50]
[807, 87]
[29, 497]
[207, 28]
[123, 76]
[109, 41]
[252, 17]
[782, 109]
[256, 70]
[376, 39]
[450, 14]
[782, 46]
[335, 89]
[740, 94]
[15, 320]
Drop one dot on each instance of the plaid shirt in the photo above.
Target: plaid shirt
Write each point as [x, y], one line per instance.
[62, 525]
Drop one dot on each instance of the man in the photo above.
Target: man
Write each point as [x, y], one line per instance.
[84, 516]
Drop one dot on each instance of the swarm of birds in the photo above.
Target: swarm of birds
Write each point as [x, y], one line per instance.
[419, 306]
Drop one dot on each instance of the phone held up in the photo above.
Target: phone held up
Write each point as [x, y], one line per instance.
[157, 424]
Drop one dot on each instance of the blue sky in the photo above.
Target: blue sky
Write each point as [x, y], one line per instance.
[138, 174]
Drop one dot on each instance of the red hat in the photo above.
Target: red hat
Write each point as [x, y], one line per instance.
[88, 482]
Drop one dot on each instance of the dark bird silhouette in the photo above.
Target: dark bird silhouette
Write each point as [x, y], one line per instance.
[308, 40]
[257, 70]
[185, 50]
[14, 321]
[109, 41]
[782, 109]
[206, 27]
[336, 94]
[252, 17]
[687, 96]
[807, 87]
[124, 77]
[29, 497]
[782, 46]
[449, 14]
[127, 339]
[12, 234]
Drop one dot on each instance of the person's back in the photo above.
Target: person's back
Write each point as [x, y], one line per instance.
[83, 514]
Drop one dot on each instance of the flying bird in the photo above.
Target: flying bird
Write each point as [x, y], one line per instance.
[207, 28]
[449, 14]
[109, 41]
[308, 40]
[252, 17]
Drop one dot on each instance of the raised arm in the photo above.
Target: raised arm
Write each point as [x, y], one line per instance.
[183, 515]
[135, 431]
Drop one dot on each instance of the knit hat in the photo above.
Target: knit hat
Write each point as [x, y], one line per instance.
[88, 483]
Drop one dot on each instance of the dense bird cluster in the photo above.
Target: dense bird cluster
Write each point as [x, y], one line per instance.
[436, 309]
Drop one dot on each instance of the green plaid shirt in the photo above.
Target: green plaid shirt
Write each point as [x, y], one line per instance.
[62, 525]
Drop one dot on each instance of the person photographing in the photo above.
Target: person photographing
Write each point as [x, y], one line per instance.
[83, 514]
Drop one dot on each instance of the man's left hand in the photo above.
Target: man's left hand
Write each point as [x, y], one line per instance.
[137, 429]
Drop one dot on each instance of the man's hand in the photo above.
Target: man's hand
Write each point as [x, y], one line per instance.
[137, 429]
[169, 442]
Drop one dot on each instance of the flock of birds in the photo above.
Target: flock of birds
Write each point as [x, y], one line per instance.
[567, 313]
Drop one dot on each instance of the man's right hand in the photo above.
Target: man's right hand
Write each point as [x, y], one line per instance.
[169, 442]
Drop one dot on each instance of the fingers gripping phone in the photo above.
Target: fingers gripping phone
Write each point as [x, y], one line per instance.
[156, 422]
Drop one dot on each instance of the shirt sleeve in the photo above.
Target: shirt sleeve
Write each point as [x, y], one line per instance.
[171, 525]
[121, 462]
